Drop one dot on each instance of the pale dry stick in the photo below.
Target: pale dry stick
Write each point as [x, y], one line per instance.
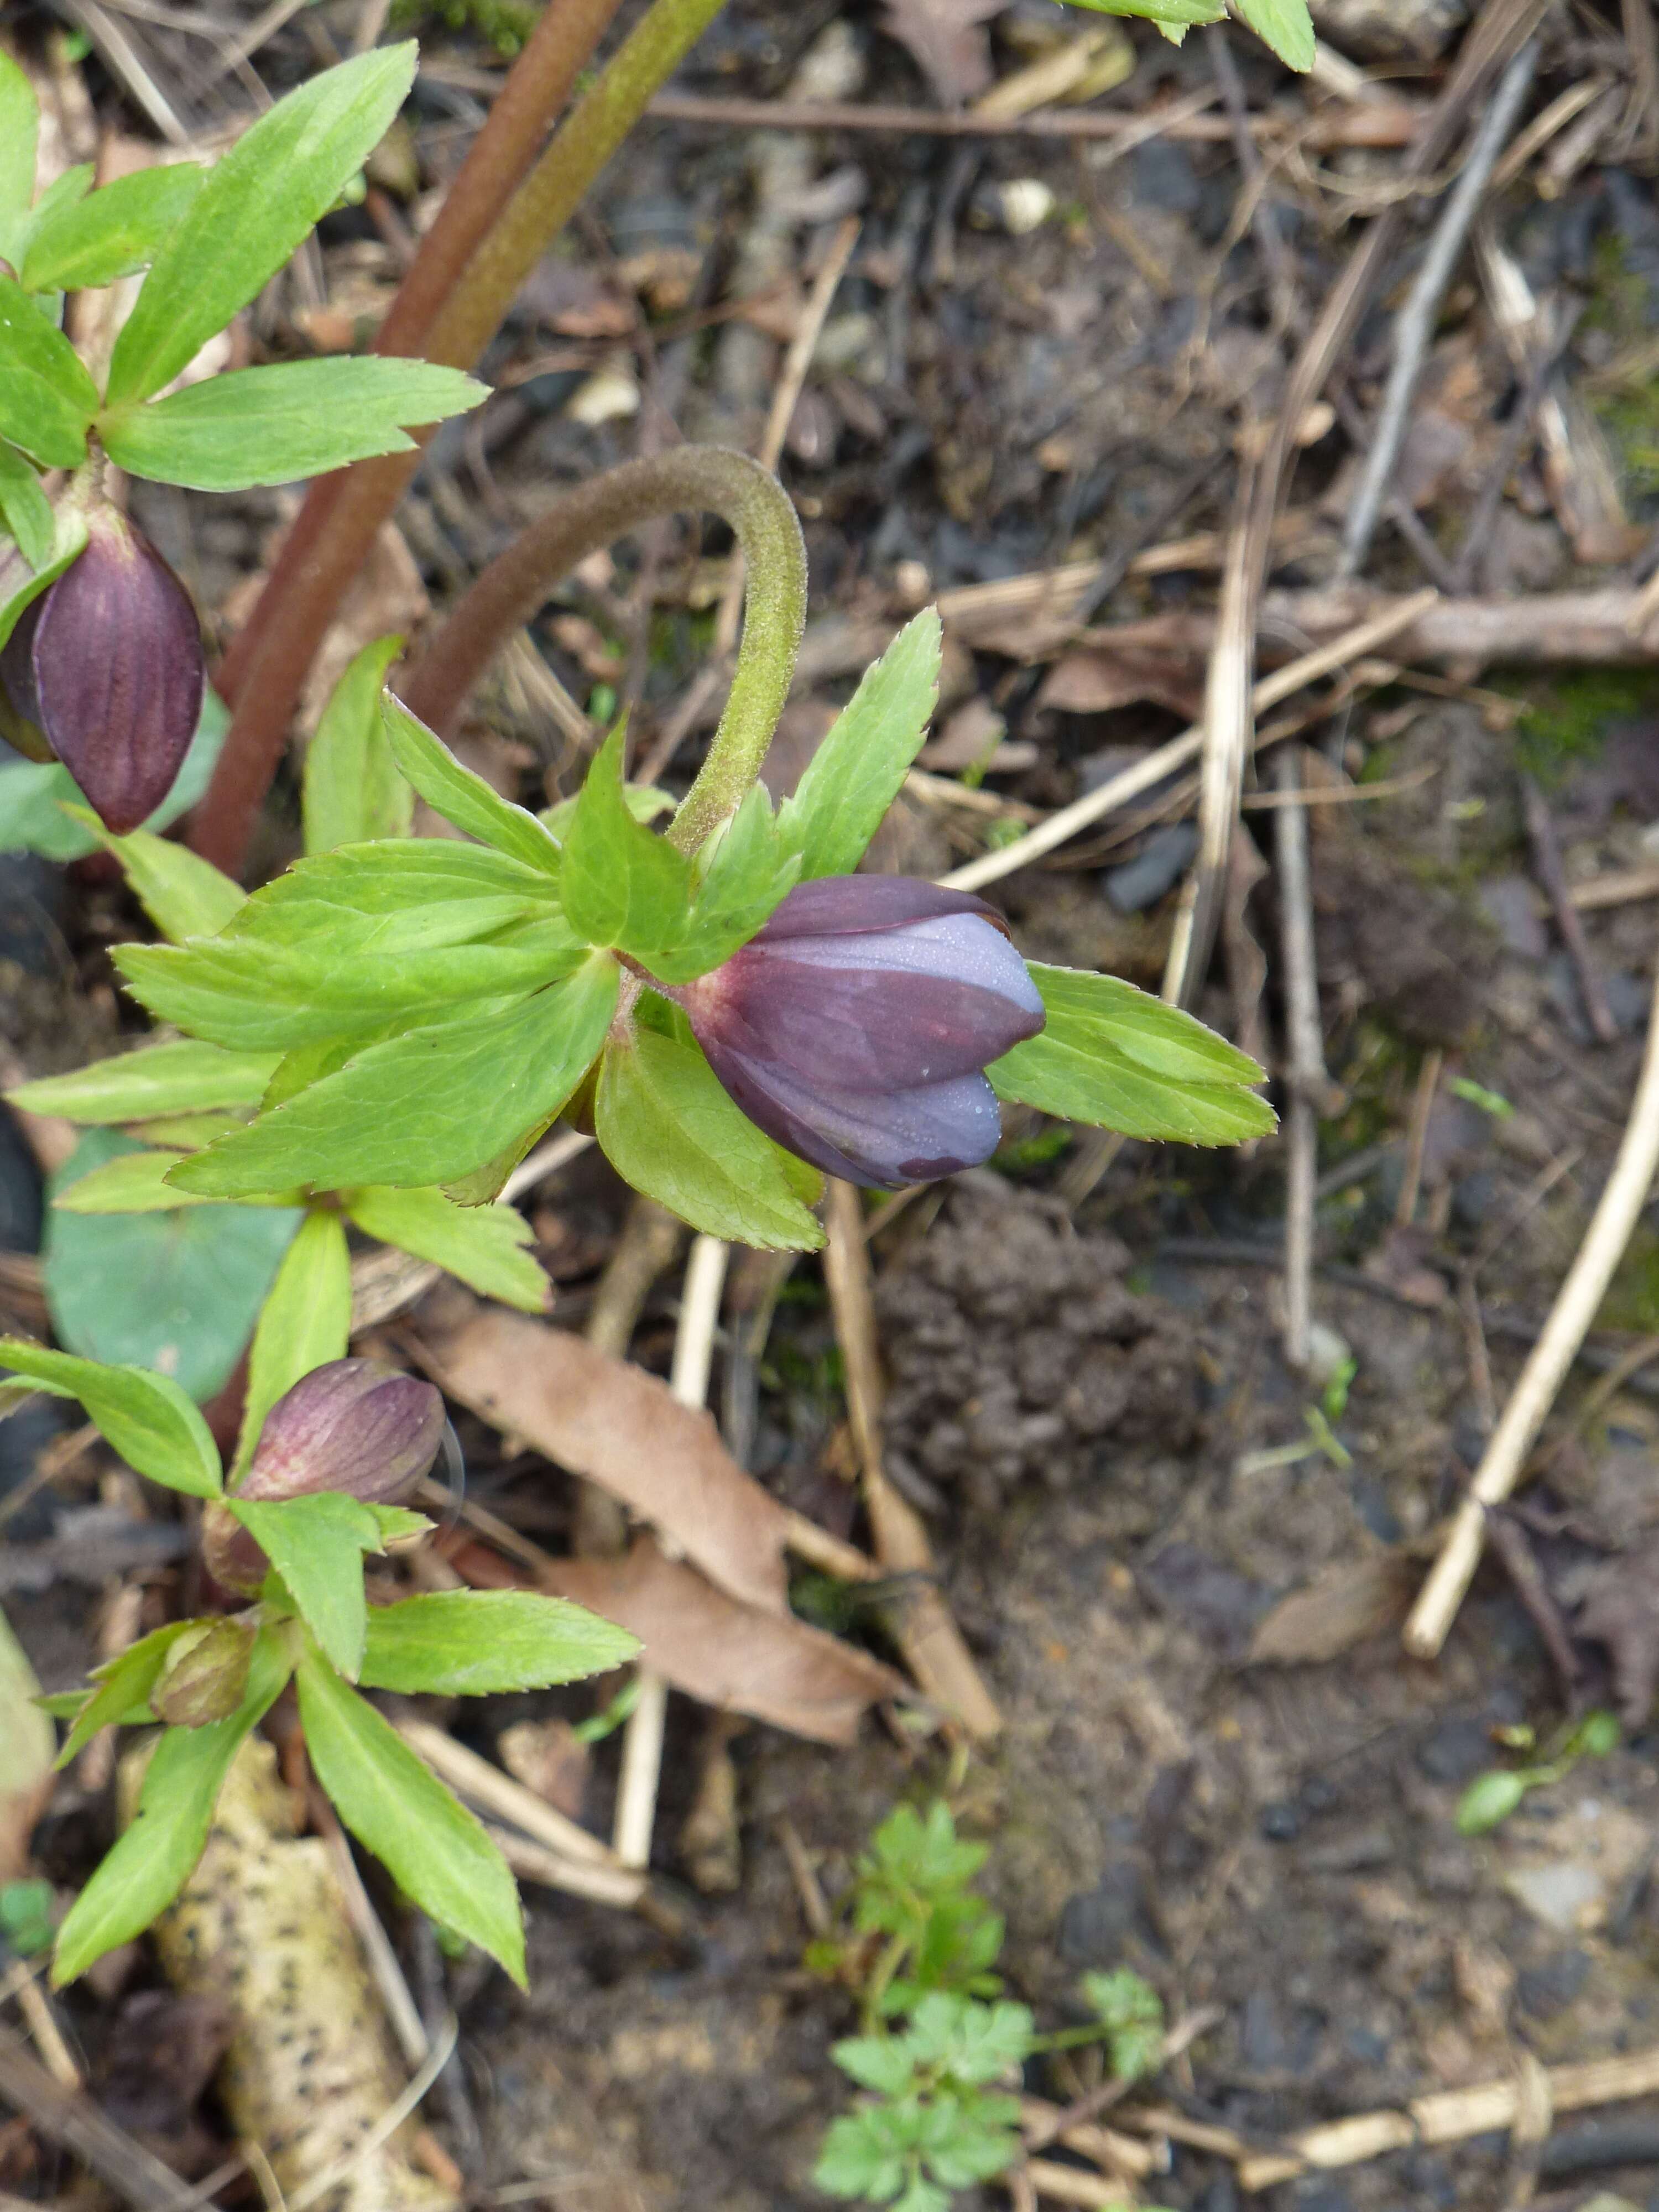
[1544, 126]
[1164, 761]
[784, 397]
[386, 2127]
[1307, 1081]
[924, 1630]
[642, 1753]
[1042, 2124]
[1229, 726]
[1449, 2116]
[489, 1788]
[1417, 1137]
[1575, 1308]
[401, 2009]
[75, 2124]
[1618, 887]
[623, 1886]
[1069, 2184]
[1414, 325]
[48, 2037]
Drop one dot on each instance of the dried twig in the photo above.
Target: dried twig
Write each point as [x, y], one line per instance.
[1414, 326]
[926, 1634]
[1417, 1137]
[1308, 1084]
[72, 2121]
[1165, 759]
[694, 1354]
[1546, 860]
[1575, 1308]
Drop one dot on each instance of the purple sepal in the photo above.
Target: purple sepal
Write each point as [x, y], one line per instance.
[354, 1424]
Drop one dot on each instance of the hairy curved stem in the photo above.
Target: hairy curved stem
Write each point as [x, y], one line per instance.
[514, 586]
[331, 539]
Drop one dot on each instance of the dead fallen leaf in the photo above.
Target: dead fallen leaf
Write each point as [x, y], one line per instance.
[29, 1743]
[948, 42]
[726, 1655]
[620, 1428]
[1097, 677]
[1620, 1612]
[550, 1758]
[1339, 1608]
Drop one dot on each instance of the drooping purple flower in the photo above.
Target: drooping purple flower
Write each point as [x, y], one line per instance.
[108, 666]
[855, 1027]
[353, 1425]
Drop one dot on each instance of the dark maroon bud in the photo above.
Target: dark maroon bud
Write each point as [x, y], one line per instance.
[855, 1027]
[355, 1424]
[115, 671]
[206, 1675]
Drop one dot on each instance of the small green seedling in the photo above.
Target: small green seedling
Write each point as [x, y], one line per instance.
[1491, 1797]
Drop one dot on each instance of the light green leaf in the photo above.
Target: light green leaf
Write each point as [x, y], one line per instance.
[184, 895]
[187, 1133]
[316, 1543]
[1285, 25]
[481, 1244]
[668, 1127]
[33, 794]
[276, 425]
[384, 901]
[857, 772]
[131, 1183]
[152, 1862]
[148, 1418]
[46, 397]
[1173, 17]
[260, 201]
[28, 1738]
[175, 1292]
[472, 1643]
[1114, 1056]
[751, 870]
[305, 1323]
[397, 1808]
[462, 797]
[114, 232]
[157, 1078]
[123, 1686]
[24, 507]
[354, 790]
[397, 1523]
[20, 128]
[427, 1107]
[621, 883]
[247, 994]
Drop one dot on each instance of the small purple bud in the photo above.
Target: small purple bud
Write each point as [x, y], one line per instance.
[355, 1425]
[206, 1675]
[108, 664]
[855, 1027]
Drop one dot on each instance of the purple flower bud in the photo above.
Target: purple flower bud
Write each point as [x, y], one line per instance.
[107, 665]
[354, 1424]
[855, 1027]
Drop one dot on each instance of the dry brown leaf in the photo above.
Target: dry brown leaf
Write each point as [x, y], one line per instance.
[1097, 677]
[621, 1428]
[947, 40]
[704, 1642]
[1339, 1608]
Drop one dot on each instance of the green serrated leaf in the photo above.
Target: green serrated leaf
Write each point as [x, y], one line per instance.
[397, 1808]
[184, 895]
[122, 1687]
[131, 1183]
[1286, 25]
[397, 1523]
[148, 1418]
[158, 1079]
[304, 1322]
[462, 797]
[427, 1107]
[20, 128]
[385, 900]
[152, 1862]
[276, 425]
[484, 1245]
[1111, 1055]
[46, 397]
[316, 1544]
[623, 885]
[114, 232]
[749, 875]
[881, 2063]
[176, 1291]
[187, 1133]
[1174, 18]
[474, 1643]
[24, 509]
[667, 1127]
[354, 790]
[857, 772]
[259, 202]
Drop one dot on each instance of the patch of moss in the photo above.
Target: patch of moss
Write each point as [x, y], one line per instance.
[504, 24]
[1567, 721]
[1633, 1298]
